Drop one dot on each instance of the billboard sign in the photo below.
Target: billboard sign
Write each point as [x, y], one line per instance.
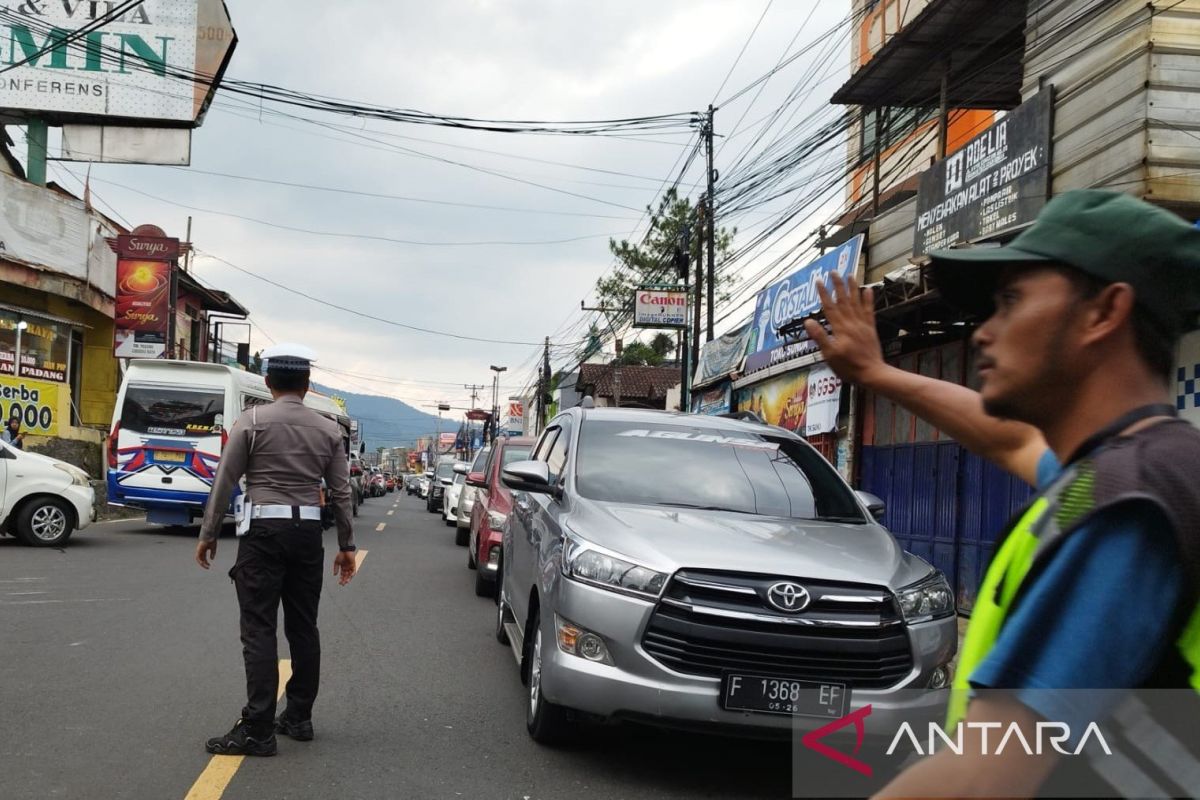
[997, 181]
[34, 402]
[660, 307]
[143, 295]
[126, 68]
[781, 401]
[515, 424]
[791, 299]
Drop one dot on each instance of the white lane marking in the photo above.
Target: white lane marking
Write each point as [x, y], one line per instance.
[21, 580]
[390, 513]
[22, 594]
[48, 602]
[381, 526]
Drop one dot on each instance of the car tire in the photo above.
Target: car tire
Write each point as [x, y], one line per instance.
[484, 587]
[449, 522]
[45, 522]
[548, 723]
[461, 535]
[502, 612]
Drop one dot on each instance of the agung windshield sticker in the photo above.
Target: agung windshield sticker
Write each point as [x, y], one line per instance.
[705, 438]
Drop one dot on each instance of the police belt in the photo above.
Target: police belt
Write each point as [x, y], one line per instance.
[286, 512]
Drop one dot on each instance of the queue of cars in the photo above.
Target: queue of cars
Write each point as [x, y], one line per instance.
[701, 572]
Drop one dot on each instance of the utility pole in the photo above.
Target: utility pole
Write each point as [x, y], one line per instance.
[496, 401]
[616, 368]
[474, 387]
[710, 233]
[701, 212]
[545, 387]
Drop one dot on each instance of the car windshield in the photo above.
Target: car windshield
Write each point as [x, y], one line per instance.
[459, 479]
[481, 459]
[172, 412]
[697, 466]
[513, 454]
[445, 471]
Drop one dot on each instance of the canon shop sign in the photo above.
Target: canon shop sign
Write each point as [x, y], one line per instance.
[660, 307]
[997, 181]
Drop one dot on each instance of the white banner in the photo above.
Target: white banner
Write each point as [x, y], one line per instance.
[824, 398]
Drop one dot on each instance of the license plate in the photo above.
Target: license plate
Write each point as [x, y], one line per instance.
[170, 456]
[775, 695]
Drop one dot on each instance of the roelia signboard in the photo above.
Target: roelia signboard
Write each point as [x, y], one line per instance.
[790, 299]
[125, 68]
[660, 307]
[998, 180]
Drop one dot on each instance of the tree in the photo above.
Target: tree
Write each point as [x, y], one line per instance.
[639, 354]
[651, 261]
[662, 344]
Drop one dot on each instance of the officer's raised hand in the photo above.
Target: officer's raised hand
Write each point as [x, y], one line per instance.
[205, 550]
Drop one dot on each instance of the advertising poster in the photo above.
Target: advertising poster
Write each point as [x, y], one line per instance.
[142, 308]
[515, 424]
[713, 400]
[35, 402]
[794, 298]
[824, 398]
[781, 401]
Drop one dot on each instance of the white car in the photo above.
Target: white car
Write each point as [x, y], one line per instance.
[466, 499]
[43, 500]
[453, 492]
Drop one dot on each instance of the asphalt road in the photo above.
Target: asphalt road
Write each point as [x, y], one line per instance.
[119, 657]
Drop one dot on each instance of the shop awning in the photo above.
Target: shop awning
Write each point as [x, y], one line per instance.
[980, 42]
[29, 312]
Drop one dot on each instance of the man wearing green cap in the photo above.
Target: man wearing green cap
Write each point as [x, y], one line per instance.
[1094, 586]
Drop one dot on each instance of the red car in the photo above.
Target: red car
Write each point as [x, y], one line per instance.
[492, 505]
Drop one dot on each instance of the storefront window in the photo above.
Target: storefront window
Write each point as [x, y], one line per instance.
[45, 347]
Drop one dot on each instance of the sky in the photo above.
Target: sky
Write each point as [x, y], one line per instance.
[478, 275]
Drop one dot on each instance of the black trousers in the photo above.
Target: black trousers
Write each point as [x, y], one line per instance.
[280, 560]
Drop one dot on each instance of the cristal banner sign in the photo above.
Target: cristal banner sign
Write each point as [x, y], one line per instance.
[995, 182]
[660, 307]
[143, 307]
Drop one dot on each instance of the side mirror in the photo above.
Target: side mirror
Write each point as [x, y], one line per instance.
[527, 476]
[461, 469]
[476, 479]
[875, 507]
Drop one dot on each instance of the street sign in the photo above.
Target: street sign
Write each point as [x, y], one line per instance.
[478, 415]
[660, 307]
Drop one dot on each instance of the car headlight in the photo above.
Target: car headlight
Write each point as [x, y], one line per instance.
[78, 476]
[929, 599]
[583, 563]
[496, 520]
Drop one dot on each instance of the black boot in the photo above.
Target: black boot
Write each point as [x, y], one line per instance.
[300, 730]
[246, 739]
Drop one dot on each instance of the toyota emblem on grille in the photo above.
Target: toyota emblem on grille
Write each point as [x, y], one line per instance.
[788, 597]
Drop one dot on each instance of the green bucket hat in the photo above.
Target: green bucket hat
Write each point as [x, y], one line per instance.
[1109, 235]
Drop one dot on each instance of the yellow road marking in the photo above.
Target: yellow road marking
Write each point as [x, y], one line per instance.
[381, 526]
[359, 557]
[220, 770]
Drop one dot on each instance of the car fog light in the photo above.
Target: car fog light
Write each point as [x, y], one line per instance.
[576, 641]
[941, 677]
[592, 647]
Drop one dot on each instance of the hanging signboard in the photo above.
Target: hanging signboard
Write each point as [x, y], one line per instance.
[143, 297]
[660, 307]
[997, 181]
[127, 67]
[713, 400]
[791, 299]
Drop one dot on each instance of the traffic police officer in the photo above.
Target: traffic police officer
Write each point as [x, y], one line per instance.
[285, 450]
[1094, 586]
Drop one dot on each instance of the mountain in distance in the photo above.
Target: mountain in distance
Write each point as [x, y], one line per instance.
[388, 422]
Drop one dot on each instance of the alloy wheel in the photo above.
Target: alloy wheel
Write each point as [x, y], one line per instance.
[48, 523]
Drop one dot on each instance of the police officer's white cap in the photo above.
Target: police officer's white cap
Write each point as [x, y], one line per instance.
[287, 356]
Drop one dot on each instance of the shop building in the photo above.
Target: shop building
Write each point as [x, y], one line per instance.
[972, 114]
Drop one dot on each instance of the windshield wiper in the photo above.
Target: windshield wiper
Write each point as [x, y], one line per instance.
[700, 507]
[859, 520]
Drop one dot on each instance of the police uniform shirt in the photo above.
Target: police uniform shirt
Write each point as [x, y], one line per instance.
[294, 448]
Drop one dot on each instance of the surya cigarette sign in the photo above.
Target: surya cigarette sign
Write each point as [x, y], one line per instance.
[136, 66]
[660, 307]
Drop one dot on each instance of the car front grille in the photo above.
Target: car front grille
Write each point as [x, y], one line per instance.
[708, 623]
